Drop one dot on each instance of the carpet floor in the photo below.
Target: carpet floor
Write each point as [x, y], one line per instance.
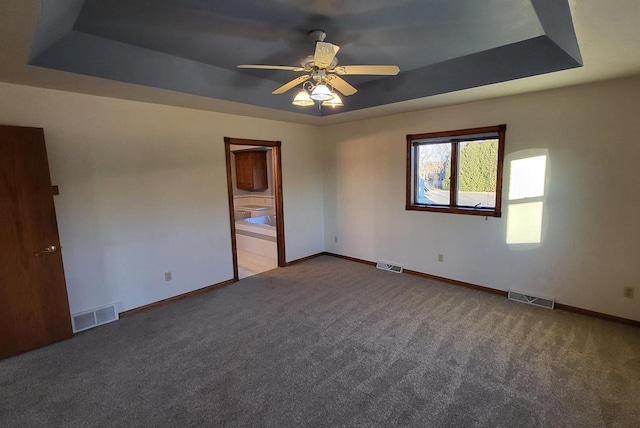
[329, 342]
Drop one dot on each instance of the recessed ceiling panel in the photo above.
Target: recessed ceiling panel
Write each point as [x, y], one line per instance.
[194, 46]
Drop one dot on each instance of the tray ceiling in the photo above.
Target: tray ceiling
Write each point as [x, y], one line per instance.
[193, 46]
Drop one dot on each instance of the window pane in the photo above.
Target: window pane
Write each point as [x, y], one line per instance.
[434, 170]
[477, 173]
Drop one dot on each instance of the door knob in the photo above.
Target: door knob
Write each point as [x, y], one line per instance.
[50, 249]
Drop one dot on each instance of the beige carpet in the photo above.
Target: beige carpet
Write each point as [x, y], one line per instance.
[330, 342]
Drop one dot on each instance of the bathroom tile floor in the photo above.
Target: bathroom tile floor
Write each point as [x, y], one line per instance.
[251, 264]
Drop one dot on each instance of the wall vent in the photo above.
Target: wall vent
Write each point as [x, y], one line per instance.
[519, 296]
[95, 317]
[389, 267]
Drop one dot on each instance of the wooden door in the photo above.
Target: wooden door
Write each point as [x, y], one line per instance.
[34, 309]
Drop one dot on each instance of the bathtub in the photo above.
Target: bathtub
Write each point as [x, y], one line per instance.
[265, 220]
[258, 235]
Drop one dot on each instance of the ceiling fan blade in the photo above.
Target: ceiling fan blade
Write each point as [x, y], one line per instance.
[342, 85]
[324, 54]
[271, 67]
[381, 70]
[284, 88]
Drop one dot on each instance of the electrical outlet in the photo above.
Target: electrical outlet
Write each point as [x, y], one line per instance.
[168, 276]
[335, 239]
[440, 257]
[628, 292]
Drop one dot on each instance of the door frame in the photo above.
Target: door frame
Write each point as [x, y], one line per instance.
[276, 154]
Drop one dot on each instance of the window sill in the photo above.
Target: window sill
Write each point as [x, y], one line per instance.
[489, 212]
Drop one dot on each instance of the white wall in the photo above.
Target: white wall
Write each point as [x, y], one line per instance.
[590, 226]
[143, 191]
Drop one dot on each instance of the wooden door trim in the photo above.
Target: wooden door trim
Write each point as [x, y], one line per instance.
[246, 142]
[277, 193]
[232, 216]
[277, 185]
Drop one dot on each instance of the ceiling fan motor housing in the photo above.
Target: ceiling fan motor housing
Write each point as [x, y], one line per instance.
[307, 62]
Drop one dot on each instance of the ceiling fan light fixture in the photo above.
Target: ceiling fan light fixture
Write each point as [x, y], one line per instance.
[336, 101]
[302, 99]
[321, 93]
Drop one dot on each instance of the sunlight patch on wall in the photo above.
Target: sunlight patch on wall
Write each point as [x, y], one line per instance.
[527, 196]
[527, 177]
[525, 223]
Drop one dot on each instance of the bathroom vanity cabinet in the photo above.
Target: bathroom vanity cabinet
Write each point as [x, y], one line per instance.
[251, 170]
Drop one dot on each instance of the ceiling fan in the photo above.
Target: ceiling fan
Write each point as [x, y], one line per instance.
[322, 74]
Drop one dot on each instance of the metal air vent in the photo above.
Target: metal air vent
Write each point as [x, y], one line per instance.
[389, 267]
[519, 296]
[95, 317]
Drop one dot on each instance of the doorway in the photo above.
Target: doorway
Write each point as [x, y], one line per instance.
[254, 185]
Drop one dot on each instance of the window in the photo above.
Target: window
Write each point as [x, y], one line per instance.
[456, 172]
